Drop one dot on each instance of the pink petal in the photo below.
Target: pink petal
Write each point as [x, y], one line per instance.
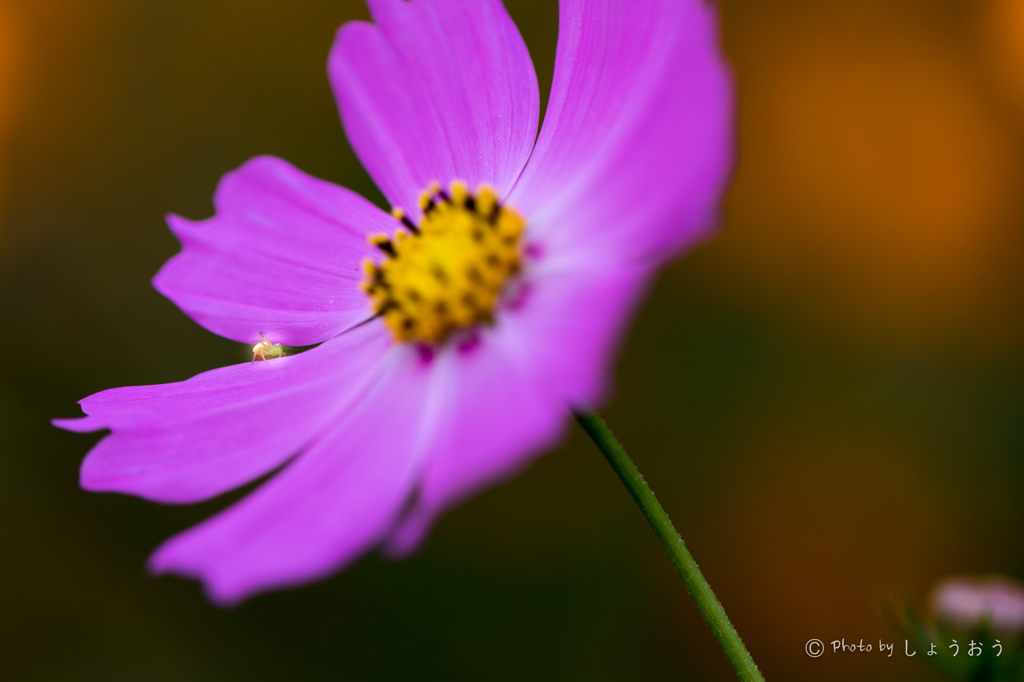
[636, 146]
[567, 327]
[436, 90]
[492, 420]
[332, 503]
[507, 397]
[281, 256]
[193, 440]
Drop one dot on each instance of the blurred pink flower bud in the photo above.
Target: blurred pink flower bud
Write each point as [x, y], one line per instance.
[966, 602]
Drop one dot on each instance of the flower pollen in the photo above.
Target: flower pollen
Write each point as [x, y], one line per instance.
[448, 272]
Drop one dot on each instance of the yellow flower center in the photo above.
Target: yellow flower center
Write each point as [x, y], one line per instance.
[448, 272]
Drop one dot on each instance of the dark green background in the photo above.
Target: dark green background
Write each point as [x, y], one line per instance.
[828, 398]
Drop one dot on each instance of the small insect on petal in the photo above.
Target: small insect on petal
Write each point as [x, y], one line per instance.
[264, 349]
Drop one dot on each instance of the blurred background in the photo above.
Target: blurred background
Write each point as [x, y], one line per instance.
[828, 398]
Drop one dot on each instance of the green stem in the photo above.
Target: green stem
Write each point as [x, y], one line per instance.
[669, 537]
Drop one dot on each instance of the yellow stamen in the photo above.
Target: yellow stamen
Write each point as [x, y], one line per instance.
[449, 272]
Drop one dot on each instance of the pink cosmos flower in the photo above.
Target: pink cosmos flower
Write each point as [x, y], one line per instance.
[456, 334]
[967, 602]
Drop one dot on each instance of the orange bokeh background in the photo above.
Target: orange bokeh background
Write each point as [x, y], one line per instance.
[11, 81]
[879, 176]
